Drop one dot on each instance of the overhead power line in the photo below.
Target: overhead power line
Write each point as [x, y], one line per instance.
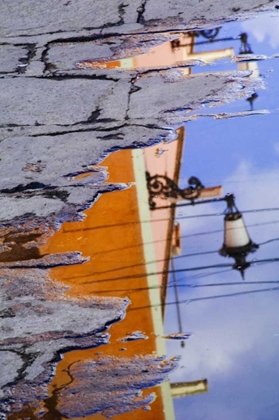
[179, 270]
[227, 295]
[167, 218]
[188, 286]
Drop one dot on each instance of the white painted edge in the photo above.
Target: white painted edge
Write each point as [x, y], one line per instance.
[152, 279]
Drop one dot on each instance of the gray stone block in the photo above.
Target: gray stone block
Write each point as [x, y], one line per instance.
[30, 101]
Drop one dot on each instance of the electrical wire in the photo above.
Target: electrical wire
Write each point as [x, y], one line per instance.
[205, 298]
[188, 286]
[179, 270]
[168, 219]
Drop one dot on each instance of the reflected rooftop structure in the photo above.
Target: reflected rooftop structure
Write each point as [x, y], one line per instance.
[175, 53]
[130, 249]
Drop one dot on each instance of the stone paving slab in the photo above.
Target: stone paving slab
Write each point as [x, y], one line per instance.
[65, 55]
[35, 19]
[34, 158]
[168, 92]
[113, 397]
[68, 124]
[32, 17]
[10, 56]
[30, 101]
[195, 13]
[39, 319]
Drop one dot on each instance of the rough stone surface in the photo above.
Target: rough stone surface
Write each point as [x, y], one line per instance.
[123, 391]
[170, 92]
[34, 18]
[66, 56]
[33, 158]
[38, 320]
[46, 261]
[195, 13]
[10, 364]
[10, 56]
[66, 102]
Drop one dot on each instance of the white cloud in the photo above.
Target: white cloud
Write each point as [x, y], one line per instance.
[256, 189]
[253, 189]
[227, 333]
[227, 330]
[264, 27]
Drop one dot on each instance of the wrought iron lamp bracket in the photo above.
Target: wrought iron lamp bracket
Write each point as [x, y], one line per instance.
[164, 187]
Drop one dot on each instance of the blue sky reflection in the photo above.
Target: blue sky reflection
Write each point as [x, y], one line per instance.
[235, 341]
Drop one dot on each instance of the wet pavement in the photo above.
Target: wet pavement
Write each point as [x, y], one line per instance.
[131, 289]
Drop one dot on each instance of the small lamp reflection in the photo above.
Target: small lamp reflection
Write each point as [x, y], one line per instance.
[245, 47]
[237, 243]
[251, 100]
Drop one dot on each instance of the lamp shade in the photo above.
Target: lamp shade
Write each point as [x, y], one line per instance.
[237, 243]
[235, 234]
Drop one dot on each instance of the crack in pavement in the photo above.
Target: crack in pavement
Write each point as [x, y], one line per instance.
[121, 11]
[140, 11]
[80, 130]
[25, 61]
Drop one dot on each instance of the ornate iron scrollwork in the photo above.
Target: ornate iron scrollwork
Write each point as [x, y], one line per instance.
[164, 187]
[210, 33]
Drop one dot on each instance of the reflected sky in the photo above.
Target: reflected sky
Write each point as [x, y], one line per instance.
[235, 323]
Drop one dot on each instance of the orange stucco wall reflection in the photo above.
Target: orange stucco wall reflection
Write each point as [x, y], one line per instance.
[111, 236]
[159, 56]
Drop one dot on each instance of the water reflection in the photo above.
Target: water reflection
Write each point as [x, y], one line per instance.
[143, 274]
[144, 255]
[146, 240]
[110, 248]
[177, 52]
[16, 250]
[185, 52]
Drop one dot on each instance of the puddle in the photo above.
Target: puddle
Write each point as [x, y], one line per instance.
[120, 253]
[190, 49]
[99, 299]
[168, 54]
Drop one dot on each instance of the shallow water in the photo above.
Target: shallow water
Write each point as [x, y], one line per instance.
[217, 324]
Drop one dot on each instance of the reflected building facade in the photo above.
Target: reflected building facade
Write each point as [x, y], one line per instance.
[130, 248]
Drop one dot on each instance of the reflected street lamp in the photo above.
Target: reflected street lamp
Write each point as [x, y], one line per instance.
[237, 243]
[164, 187]
[245, 47]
